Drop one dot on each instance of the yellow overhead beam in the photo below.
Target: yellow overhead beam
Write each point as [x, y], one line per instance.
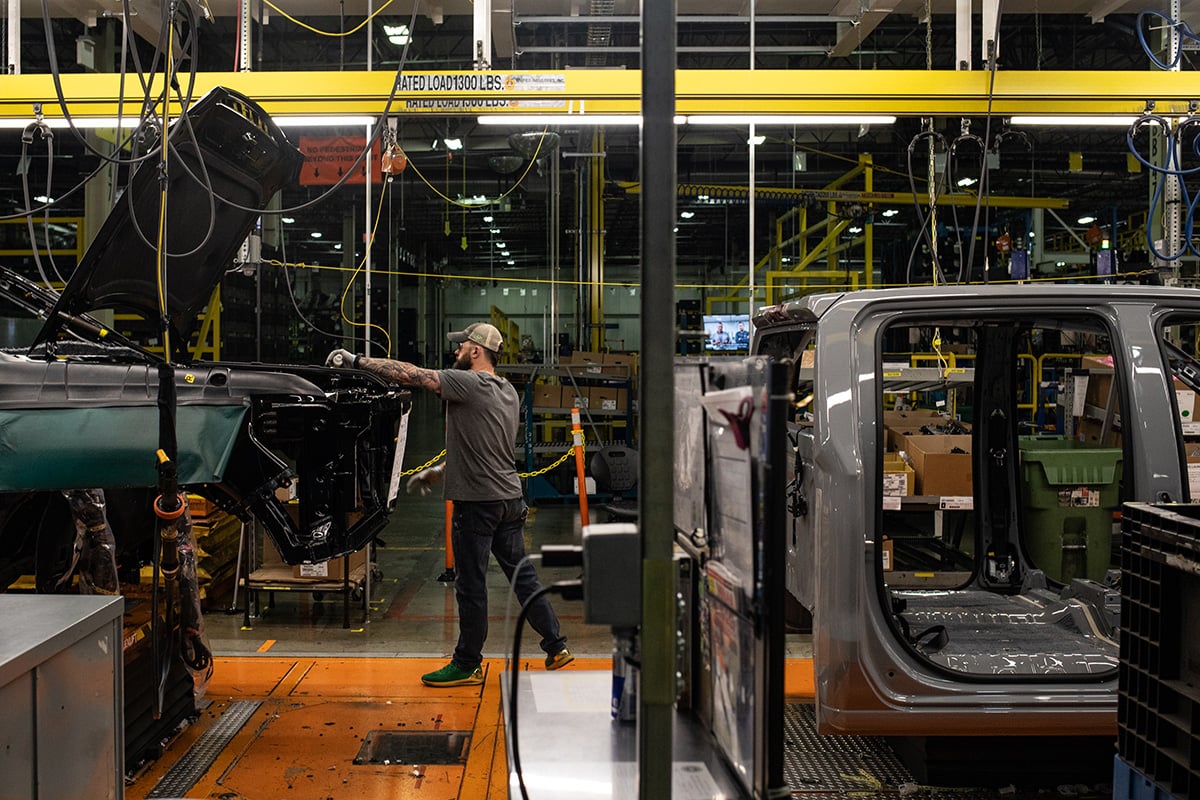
[898, 92]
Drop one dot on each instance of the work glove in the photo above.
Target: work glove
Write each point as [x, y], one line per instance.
[342, 359]
[424, 480]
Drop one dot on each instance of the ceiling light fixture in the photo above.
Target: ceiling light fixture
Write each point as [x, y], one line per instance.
[1086, 220]
[812, 120]
[687, 214]
[891, 212]
[968, 181]
[316, 121]
[398, 35]
[756, 140]
[287, 220]
[488, 218]
[316, 234]
[453, 144]
[1102, 120]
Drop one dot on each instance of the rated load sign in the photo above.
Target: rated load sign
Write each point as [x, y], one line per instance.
[327, 158]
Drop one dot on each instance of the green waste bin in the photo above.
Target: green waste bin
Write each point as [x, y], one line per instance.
[1071, 492]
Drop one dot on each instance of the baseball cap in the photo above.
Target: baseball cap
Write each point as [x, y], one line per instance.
[481, 333]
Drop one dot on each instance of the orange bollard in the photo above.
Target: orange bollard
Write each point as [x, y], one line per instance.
[577, 438]
[448, 575]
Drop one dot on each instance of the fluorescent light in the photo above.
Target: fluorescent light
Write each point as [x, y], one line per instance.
[504, 253]
[1114, 121]
[41, 198]
[287, 220]
[1086, 220]
[756, 139]
[821, 120]
[964, 182]
[891, 212]
[511, 262]
[131, 121]
[316, 121]
[815, 120]
[854, 229]
[549, 120]
[488, 218]
[501, 245]
[337, 246]
[453, 144]
[316, 234]
[687, 214]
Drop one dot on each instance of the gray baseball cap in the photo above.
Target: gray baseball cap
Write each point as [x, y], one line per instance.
[481, 333]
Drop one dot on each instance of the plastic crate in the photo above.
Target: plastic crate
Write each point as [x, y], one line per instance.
[1129, 784]
[1158, 709]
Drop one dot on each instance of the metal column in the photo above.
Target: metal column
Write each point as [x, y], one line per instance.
[656, 494]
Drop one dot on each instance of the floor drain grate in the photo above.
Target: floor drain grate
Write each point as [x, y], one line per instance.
[200, 756]
[412, 747]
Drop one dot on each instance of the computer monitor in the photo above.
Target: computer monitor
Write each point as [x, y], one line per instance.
[727, 333]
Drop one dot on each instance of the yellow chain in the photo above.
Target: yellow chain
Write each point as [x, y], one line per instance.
[533, 474]
[426, 465]
[544, 470]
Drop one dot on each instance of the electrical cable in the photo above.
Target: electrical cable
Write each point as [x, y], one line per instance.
[984, 182]
[1181, 28]
[561, 587]
[339, 34]
[922, 216]
[964, 136]
[27, 139]
[354, 275]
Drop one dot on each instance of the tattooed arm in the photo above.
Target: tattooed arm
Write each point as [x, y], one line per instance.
[401, 372]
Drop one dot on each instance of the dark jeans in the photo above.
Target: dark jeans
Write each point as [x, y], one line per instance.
[498, 528]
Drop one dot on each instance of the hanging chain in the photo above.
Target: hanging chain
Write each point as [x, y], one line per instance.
[570, 452]
[544, 470]
[424, 466]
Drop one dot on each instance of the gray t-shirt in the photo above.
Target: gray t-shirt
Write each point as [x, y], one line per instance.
[482, 411]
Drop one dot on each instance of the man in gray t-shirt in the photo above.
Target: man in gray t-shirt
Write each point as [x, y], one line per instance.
[482, 410]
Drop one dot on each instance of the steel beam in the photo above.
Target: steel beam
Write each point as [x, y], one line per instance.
[741, 92]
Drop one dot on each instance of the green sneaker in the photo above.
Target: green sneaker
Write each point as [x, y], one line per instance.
[559, 659]
[453, 675]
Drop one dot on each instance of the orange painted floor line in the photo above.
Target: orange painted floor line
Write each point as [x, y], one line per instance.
[316, 712]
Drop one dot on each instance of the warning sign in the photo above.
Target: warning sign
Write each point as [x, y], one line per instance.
[327, 158]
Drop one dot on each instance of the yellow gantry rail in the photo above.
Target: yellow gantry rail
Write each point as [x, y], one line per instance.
[897, 92]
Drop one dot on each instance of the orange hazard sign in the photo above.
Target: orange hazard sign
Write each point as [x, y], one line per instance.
[327, 158]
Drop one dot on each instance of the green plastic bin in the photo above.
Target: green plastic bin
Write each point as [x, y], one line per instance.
[1071, 491]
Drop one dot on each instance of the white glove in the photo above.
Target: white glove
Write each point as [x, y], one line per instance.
[424, 480]
[342, 359]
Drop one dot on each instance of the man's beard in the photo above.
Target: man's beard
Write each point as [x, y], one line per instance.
[462, 361]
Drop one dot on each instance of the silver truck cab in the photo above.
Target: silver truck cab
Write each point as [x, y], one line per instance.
[960, 457]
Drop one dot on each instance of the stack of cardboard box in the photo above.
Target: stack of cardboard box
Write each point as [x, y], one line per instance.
[940, 462]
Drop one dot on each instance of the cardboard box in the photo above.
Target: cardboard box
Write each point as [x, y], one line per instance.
[940, 470]
[547, 395]
[572, 400]
[333, 568]
[1089, 430]
[586, 358]
[888, 555]
[1185, 399]
[619, 365]
[608, 398]
[899, 479]
[899, 425]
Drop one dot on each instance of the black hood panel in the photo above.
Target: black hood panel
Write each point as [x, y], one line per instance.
[224, 143]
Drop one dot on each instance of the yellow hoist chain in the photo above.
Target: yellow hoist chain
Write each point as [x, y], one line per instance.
[534, 474]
